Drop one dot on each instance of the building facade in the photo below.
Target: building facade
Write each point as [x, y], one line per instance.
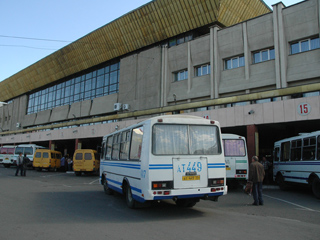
[257, 75]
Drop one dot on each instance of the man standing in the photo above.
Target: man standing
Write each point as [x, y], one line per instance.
[256, 175]
[26, 161]
[266, 164]
[19, 164]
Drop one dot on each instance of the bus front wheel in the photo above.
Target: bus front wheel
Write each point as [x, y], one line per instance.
[131, 203]
[316, 187]
[282, 184]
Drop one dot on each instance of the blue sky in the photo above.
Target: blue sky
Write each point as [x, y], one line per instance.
[23, 23]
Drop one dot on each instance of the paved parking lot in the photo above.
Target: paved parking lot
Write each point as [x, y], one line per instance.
[56, 205]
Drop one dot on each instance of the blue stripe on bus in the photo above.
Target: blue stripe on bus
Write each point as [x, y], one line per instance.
[297, 163]
[160, 166]
[188, 196]
[216, 165]
[306, 179]
[123, 165]
[119, 183]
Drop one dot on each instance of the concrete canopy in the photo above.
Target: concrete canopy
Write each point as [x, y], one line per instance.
[153, 22]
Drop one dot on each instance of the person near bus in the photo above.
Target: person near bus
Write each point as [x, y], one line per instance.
[63, 163]
[19, 164]
[267, 166]
[25, 162]
[256, 175]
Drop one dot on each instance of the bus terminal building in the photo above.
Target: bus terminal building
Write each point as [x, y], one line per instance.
[252, 68]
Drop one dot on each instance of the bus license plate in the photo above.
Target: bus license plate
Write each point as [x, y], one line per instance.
[190, 178]
[227, 168]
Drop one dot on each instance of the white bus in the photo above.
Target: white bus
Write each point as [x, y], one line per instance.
[235, 152]
[7, 155]
[28, 149]
[166, 157]
[297, 160]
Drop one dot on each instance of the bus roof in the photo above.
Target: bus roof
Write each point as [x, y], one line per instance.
[300, 136]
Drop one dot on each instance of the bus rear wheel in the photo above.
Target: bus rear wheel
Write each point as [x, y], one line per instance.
[316, 187]
[131, 203]
[282, 184]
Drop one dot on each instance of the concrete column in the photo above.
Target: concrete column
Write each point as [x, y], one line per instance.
[164, 62]
[190, 69]
[217, 65]
[246, 51]
[52, 145]
[252, 141]
[276, 46]
[211, 63]
[319, 17]
[78, 144]
[283, 55]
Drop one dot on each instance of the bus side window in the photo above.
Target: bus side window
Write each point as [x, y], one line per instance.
[309, 148]
[116, 147]
[318, 148]
[103, 150]
[285, 151]
[276, 154]
[109, 147]
[136, 143]
[124, 146]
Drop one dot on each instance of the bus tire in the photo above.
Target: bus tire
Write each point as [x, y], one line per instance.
[282, 184]
[6, 165]
[316, 187]
[77, 173]
[106, 188]
[131, 203]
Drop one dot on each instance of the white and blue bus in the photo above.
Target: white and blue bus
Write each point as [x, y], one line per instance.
[236, 156]
[166, 157]
[28, 149]
[297, 160]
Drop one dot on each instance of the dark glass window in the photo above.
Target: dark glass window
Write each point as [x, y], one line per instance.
[97, 83]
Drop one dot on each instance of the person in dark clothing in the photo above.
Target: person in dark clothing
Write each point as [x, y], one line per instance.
[19, 164]
[25, 162]
[63, 163]
[256, 175]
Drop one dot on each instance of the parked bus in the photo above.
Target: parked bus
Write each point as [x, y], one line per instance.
[28, 149]
[7, 155]
[297, 160]
[235, 152]
[167, 157]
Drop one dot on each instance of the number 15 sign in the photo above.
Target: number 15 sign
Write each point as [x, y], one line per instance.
[303, 109]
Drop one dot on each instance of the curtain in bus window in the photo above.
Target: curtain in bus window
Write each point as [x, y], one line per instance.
[116, 147]
[234, 147]
[109, 148]
[170, 139]
[285, 151]
[136, 143]
[204, 140]
[124, 146]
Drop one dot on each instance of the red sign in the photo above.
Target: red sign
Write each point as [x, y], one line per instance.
[303, 109]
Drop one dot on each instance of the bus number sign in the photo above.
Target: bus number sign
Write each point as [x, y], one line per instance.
[303, 109]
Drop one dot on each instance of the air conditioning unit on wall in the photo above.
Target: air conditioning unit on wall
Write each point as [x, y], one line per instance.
[18, 125]
[125, 107]
[117, 106]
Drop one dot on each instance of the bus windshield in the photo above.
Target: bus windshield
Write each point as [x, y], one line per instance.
[176, 139]
[234, 147]
[7, 150]
[24, 150]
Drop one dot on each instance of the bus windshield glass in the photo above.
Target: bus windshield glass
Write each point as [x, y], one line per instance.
[176, 139]
[7, 150]
[24, 150]
[234, 147]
